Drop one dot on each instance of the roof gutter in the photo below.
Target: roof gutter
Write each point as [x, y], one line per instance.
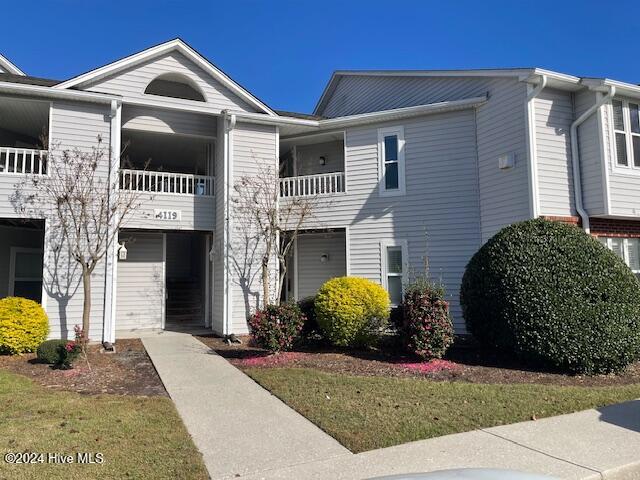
[533, 153]
[49, 93]
[575, 156]
[364, 118]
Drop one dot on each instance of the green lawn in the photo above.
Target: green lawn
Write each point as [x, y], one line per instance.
[140, 437]
[365, 413]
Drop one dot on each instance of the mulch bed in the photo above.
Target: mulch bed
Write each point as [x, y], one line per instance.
[464, 362]
[128, 371]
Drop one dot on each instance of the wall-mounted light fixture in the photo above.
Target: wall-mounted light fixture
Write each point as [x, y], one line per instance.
[122, 251]
[324, 258]
[322, 161]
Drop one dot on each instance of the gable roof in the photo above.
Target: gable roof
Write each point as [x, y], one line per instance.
[9, 66]
[521, 73]
[27, 80]
[161, 49]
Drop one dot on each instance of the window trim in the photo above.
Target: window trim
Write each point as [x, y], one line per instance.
[384, 273]
[13, 251]
[625, 249]
[630, 168]
[385, 132]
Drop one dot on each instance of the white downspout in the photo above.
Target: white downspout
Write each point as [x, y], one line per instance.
[229, 124]
[533, 154]
[575, 156]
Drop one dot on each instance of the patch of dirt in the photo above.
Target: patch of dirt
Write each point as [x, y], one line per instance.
[128, 371]
[464, 362]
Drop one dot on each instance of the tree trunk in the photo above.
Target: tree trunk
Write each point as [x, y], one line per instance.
[265, 284]
[86, 305]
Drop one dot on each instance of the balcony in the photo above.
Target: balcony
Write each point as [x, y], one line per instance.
[166, 182]
[312, 185]
[22, 161]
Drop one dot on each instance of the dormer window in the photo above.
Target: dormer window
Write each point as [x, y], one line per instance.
[175, 85]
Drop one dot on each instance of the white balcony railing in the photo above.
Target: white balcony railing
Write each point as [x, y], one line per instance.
[22, 160]
[166, 182]
[311, 185]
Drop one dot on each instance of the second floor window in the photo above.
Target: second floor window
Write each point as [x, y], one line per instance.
[626, 127]
[391, 168]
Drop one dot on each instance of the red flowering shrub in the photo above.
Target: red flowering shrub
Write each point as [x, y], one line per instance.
[426, 328]
[277, 327]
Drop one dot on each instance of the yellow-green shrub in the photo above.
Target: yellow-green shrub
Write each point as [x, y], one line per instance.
[351, 311]
[23, 325]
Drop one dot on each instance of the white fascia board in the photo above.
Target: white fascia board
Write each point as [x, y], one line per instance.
[603, 84]
[366, 118]
[177, 45]
[10, 67]
[401, 113]
[51, 93]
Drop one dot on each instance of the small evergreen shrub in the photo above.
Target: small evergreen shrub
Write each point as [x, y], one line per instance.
[23, 325]
[277, 327]
[351, 311]
[47, 352]
[552, 294]
[426, 328]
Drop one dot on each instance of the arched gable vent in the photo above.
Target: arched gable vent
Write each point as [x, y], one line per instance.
[175, 85]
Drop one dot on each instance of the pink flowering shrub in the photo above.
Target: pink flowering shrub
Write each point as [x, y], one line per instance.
[277, 327]
[426, 329]
[69, 352]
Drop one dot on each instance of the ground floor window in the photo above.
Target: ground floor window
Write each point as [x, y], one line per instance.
[626, 248]
[394, 258]
[25, 273]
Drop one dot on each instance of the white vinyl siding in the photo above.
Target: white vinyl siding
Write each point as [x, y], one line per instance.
[132, 82]
[197, 212]
[254, 152]
[439, 214]
[73, 125]
[167, 121]
[312, 272]
[140, 283]
[554, 115]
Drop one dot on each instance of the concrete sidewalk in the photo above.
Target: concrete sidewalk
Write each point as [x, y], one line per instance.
[589, 445]
[242, 429]
[239, 427]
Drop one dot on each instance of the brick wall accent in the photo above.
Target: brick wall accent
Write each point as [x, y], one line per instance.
[569, 219]
[604, 227]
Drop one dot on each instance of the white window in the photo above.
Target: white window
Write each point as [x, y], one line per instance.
[626, 128]
[394, 260]
[626, 248]
[391, 154]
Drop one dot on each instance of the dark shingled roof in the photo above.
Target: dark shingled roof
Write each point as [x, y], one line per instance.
[27, 80]
[303, 116]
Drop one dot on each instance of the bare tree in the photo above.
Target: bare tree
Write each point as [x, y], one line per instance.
[86, 205]
[273, 224]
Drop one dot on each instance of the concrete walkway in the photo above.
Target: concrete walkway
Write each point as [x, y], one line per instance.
[242, 429]
[239, 427]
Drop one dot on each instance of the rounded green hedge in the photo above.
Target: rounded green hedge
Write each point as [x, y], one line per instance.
[550, 293]
[48, 352]
[352, 311]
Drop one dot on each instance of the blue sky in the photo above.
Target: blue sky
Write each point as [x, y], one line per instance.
[284, 51]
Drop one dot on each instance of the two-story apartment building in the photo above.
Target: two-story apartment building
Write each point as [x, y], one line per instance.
[410, 166]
